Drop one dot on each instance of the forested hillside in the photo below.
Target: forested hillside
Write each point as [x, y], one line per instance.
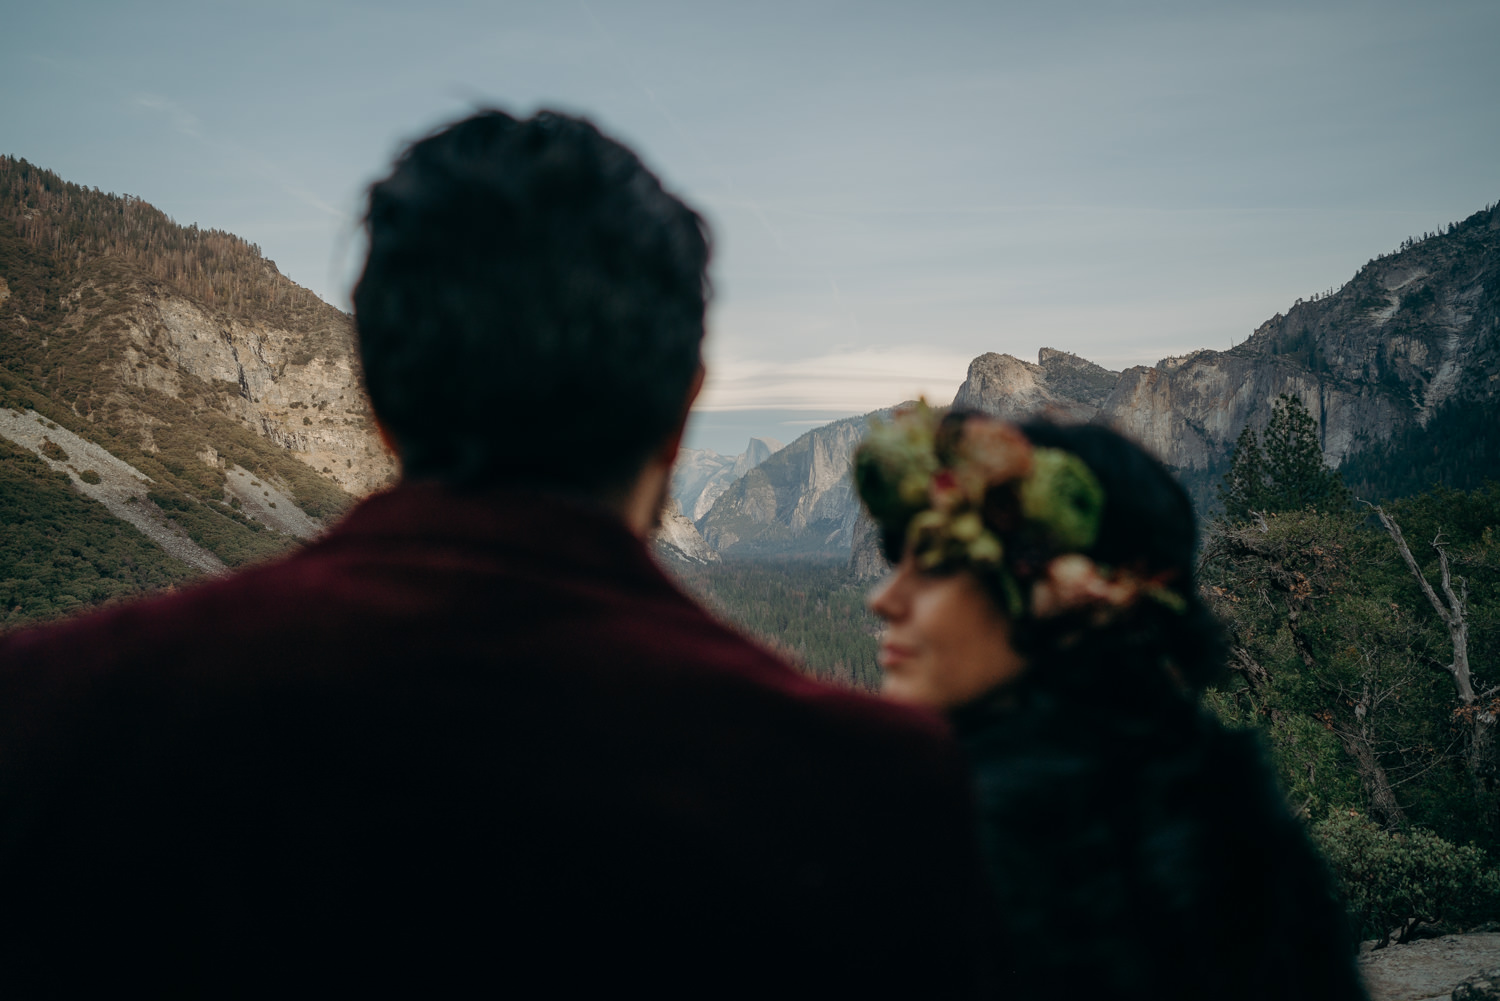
[71, 226]
[1365, 645]
[190, 360]
[810, 611]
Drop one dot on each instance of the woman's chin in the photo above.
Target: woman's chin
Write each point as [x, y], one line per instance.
[901, 689]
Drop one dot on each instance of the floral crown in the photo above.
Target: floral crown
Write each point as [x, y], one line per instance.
[965, 491]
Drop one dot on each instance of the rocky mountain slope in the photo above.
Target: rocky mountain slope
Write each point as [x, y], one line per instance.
[1062, 385]
[1400, 367]
[799, 500]
[702, 475]
[184, 356]
[1409, 335]
[677, 540]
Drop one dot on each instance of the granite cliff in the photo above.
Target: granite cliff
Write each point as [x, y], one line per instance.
[186, 357]
[1061, 385]
[677, 539]
[113, 306]
[702, 475]
[1410, 334]
[799, 500]
[1402, 361]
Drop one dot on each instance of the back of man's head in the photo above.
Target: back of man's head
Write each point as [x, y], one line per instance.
[532, 307]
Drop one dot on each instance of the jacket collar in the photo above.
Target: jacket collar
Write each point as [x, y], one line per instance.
[565, 529]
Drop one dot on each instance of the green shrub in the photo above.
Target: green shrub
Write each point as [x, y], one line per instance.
[1395, 880]
[62, 552]
[53, 450]
[169, 502]
[90, 477]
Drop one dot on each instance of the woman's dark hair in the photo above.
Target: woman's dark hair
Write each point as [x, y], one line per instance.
[532, 305]
[1148, 527]
[1136, 848]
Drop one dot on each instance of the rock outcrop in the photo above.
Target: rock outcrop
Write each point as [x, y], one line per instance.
[1408, 334]
[299, 388]
[113, 306]
[214, 404]
[1432, 968]
[866, 557]
[799, 500]
[1482, 986]
[702, 475]
[1062, 386]
[678, 538]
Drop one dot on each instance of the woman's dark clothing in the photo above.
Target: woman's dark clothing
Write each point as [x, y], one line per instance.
[1137, 855]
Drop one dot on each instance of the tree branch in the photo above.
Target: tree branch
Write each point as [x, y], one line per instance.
[1452, 615]
[1411, 563]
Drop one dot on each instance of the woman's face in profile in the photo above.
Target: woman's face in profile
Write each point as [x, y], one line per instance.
[945, 641]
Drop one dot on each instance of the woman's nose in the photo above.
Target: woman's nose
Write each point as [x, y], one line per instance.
[887, 598]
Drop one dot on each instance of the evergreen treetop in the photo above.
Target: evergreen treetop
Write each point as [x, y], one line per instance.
[1283, 470]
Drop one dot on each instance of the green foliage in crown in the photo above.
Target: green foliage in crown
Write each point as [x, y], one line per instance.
[965, 491]
[1063, 499]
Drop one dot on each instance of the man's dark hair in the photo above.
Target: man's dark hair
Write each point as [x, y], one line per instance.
[532, 307]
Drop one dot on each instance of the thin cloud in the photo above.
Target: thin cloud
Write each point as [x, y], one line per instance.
[845, 381]
[182, 120]
[188, 124]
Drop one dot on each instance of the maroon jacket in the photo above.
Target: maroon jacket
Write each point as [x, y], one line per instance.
[464, 738]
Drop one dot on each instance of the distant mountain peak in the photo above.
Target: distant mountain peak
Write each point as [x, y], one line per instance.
[702, 475]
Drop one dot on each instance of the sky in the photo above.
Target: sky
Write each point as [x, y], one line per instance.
[894, 188]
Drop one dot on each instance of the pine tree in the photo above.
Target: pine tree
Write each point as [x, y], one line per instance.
[1284, 470]
[1296, 474]
[1244, 488]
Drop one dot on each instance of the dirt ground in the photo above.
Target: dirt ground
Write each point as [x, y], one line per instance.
[1427, 970]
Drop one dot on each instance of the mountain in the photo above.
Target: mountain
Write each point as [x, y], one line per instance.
[1061, 385]
[866, 557]
[678, 540]
[1412, 340]
[701, 474]
[1400, 367]
[798, 501]
[169, 368]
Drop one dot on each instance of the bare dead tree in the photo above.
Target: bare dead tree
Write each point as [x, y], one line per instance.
[1251, 544]
[1356, 738]
[1241, 661]
[1452, 611]
[1359, 739]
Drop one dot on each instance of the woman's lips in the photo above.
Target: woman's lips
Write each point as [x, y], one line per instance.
[893, 654]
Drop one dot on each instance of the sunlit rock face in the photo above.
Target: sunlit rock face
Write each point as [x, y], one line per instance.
[799, 500]
[1189, 414]
[1062, 386]
[678, 538]
[298, 387]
